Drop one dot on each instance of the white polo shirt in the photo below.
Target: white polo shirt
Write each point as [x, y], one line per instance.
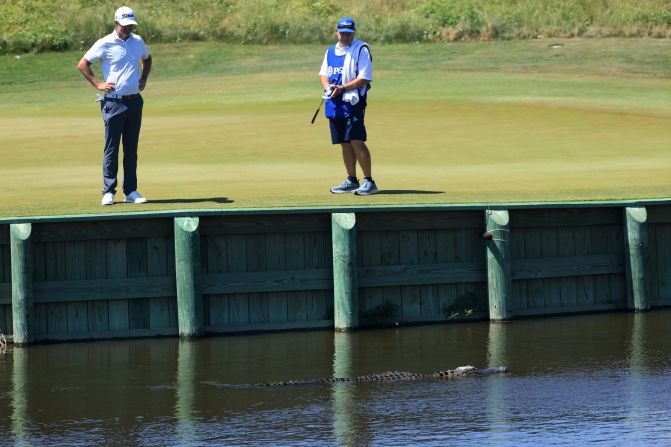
[120, 61]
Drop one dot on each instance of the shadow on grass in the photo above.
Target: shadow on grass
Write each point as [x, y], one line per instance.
[195, 200]
[408, 191]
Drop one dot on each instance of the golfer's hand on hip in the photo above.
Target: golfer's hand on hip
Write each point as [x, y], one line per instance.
[106, 86]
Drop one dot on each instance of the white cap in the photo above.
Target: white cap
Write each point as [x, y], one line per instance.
[125, 16]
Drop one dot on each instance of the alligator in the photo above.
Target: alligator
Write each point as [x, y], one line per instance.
[393, 376]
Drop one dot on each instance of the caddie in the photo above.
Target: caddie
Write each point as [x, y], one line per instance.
[125, 62]
[346, 74]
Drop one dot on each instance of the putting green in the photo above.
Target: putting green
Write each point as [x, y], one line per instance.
[237, 133]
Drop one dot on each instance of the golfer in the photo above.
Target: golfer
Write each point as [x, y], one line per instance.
[122, 55]
[346, 74]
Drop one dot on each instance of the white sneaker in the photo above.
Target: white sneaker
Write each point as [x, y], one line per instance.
[108, 199]
[135, 197]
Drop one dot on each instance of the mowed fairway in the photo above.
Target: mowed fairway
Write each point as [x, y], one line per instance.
[229, 127]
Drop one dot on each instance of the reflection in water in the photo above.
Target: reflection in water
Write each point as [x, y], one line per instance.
[343, 393]
[497, 389]
[186, 393]
[592, 378]
[19, 394]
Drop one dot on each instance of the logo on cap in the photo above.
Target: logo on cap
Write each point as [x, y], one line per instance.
[346, 25]
[125, 16]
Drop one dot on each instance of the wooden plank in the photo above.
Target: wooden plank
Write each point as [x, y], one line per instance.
[9, 320]
[618, 284]
[217, 260]
[75, 269]
[408, 255]
[256, 262]
[57, 313]
[663, 242]
[370, 246]
[238, 225]
[98, 315]
[40, 317]
[471, 248]
[600, 244]
[295, 260]
[445, 253]
[389, 255]
[96, 259]
[652, 264]
[659, 214]
[157, 265]
[414, 275]
[533, 250]
[557, 267]
[315, 258]
[400, 221]
[78, 318]
[257, 282]
[278, 303]
[563, 310]
[117, 269]
[96, 268]
[6, 293]
[138, 314]
[103, 289]
[39, 264]
[550, 248]
[566, 247]
[103, 230]
[519, 288]
[584, 285]
[3, 319]
[426, 245]
[219, 315]
[276, 326]
[57, 317]
[238, 306]
[566, 217]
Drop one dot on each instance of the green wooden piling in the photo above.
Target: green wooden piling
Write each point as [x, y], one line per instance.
[22, 282]
[346, 301]
[636, 253]
[499, 264]
[187, 277]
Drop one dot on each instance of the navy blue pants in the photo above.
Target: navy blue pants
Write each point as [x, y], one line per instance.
[123, 119]
[346, 129]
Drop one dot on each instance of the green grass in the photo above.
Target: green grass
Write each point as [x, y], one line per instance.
[228, 126]
[43, 25]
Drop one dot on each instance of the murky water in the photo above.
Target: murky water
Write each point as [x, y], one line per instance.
[574, 380]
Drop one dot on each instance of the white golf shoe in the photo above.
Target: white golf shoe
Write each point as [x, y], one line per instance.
[108, 199]
[135, 197]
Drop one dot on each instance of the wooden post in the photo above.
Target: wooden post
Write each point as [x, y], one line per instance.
[20, 238]
[187, 277]
[499, 281]
[346, 301]
[636, 254]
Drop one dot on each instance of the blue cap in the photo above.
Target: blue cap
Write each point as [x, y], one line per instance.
[346, 25]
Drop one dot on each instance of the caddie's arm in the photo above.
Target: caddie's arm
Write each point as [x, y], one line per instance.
[146, 68]
[325, 82]
[351, 85]
[84, 66]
